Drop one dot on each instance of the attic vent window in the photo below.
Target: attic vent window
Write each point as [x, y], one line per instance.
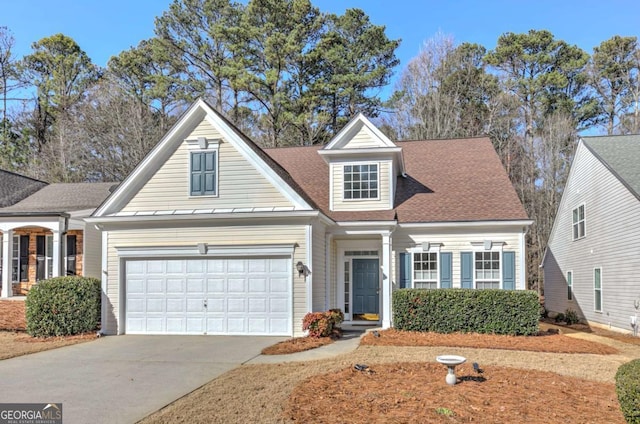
[361, 181]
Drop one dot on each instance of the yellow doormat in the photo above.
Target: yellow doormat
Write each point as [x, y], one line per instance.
[367, 317]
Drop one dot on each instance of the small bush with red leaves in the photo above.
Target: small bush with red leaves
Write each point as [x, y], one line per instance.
[322, 324]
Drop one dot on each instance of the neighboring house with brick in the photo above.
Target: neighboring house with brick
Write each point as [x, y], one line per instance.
[44, 235]
[591, 261]
[210, 234]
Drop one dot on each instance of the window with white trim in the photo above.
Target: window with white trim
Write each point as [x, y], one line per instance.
[578, 223]
[360, 181]
[425, 270]
[487, 270]
[569, 285]
[597, 289]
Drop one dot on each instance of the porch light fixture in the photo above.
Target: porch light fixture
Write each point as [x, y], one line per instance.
[302, 269]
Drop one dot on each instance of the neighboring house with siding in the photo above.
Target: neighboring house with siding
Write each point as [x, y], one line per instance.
[592, 258]
[210, 234]
[44, 234]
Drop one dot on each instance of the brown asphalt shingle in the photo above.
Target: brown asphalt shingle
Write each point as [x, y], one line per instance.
[63, 197]
[447, 181]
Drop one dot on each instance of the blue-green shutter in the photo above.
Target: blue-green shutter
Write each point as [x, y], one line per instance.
[509, 270]
[405, 270]
[203, 173]
[446, 278]
[466, 270]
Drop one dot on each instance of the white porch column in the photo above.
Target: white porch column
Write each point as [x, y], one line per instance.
[386, 280]
[57, 250]
[7, 237]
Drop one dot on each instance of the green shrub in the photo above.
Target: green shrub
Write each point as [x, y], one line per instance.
[512, 312]
[560, 317]
[628, 390]
[322, 324]
[63, 306]
[571, 316]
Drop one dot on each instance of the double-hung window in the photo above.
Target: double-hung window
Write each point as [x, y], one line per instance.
[569, 285]
[487, 269]
[425, 270]
[578, 223]
[360, 181]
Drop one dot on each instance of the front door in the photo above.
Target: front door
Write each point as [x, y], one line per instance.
[366, 288]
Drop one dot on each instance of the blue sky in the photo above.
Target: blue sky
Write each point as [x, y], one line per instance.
[103, 28]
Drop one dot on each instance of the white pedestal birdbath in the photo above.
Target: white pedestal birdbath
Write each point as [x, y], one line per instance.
[451, 361]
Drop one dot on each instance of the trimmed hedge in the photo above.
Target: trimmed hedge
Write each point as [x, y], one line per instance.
[628, 390]
[63, 306]
[513, 312]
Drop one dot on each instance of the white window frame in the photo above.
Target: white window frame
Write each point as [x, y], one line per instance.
[481, 247]
[597, 291]
[344, 182]
[570, 285]
[433, 248]
[577, 223]
[202, 145]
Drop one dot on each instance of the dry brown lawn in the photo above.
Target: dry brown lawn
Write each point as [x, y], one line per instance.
[519, 386]
[14, 344]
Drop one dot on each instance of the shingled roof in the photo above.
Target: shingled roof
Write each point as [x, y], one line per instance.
[620, 154]
[62, 198]
[15, 187]
[457, 180]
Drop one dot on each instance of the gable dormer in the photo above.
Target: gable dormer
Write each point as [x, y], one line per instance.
[363, 166]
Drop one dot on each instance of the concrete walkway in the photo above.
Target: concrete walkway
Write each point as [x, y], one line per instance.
[122, 379]
[349, 342]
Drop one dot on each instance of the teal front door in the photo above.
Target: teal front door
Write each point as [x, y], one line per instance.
[366, 283]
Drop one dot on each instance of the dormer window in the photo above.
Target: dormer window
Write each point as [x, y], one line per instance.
[361, 181]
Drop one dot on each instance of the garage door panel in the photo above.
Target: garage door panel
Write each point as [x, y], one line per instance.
[209, 296]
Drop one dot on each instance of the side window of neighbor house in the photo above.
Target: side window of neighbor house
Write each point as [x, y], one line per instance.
[578, 223]
[569, 285]
[72, 252]
[597, 289]
[203, 181]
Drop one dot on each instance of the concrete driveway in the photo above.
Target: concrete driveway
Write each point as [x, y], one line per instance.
[122, 379]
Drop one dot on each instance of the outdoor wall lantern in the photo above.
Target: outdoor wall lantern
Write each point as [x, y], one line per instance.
[302, 269]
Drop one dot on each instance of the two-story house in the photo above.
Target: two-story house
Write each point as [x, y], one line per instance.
[592, 254]
[211, 234]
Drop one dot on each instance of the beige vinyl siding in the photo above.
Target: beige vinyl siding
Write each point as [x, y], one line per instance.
[318, 272]
[218, 236]
[454, 242]
[612, 216]
[92, 252]
[240, 185]
[383, 203]
[363, 139]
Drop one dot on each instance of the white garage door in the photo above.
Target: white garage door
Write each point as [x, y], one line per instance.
[209, 296]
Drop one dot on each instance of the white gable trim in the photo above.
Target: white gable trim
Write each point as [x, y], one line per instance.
[345, 133]
[250, 155]
[198, 111]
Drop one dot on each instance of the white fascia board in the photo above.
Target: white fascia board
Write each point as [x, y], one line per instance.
[469, 224]
[147, 167]
[364, 228]
[251, 156]
[211, 250]
[344, 133]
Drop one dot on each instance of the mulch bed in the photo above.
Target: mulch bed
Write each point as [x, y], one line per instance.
[297, 344]
[417, 393]
[545, 342]
[12, 315]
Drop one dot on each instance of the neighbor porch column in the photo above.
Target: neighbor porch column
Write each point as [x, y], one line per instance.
[386, 280]
[7, 237]
[57, 251]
